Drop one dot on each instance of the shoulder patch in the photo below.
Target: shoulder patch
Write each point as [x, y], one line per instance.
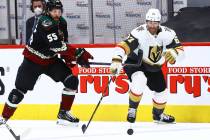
[46, 23]
[167, 29]
[140, 28]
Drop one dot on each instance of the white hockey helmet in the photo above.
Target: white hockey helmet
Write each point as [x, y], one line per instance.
[153, 15]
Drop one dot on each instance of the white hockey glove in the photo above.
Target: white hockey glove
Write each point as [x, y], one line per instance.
[116, 65]
[170, 56]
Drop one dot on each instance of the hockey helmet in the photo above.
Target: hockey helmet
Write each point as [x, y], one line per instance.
[153, 15]
[54, 4]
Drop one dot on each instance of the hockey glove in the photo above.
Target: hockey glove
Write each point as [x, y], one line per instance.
[170, 56]
[116, 65]
[70, 59]
[82, 57]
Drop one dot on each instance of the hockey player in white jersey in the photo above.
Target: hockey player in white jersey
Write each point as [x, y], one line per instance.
[148, 47]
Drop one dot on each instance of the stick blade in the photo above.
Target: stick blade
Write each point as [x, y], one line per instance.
[84, 127]
[17, 138]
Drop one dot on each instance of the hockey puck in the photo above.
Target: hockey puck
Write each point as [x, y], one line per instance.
[84, 128]
[130, 131]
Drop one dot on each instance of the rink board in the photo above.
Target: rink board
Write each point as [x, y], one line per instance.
[188, 82]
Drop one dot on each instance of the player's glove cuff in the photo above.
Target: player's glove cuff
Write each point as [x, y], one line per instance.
[117, 59]
[116, 65]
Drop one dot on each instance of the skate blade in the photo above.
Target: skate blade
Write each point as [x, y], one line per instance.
[161, 122]
[66, 123]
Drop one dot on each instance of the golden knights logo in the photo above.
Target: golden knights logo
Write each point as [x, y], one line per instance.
[155, 53]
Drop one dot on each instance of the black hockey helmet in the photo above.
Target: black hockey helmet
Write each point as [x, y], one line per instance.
[54, 4]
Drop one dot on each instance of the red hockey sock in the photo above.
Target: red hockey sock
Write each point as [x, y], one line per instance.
[66, 102]
[8, 111]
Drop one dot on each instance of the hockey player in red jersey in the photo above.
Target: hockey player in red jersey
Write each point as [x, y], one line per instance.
[147, 48]
[49, 39]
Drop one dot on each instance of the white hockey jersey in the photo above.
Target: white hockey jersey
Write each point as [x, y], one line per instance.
[153, 46]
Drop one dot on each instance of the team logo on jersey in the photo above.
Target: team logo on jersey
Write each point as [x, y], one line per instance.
[155, 53]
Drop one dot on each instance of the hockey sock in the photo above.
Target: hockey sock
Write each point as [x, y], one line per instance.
[134, 100]
[8, 111]
[67, 100]
[158, 108]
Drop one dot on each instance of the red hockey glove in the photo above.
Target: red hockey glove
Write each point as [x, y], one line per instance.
[83, 57]
[69, 57]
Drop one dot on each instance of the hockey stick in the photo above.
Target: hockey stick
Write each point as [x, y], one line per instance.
[108, 64]
[84, 126]
[139, 57]
[126, 64]
[12, 132]
[99, 63]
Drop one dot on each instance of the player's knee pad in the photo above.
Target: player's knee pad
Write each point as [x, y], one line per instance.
[15, 97]
[139, 83]
[160, 98]
[71, 82]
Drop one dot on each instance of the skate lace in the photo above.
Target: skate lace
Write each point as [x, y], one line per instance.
[70, 115]
[132, 112]
[164, 116]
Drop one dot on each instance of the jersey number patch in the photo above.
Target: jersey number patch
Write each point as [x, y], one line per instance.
[130, 39]
[52, 37]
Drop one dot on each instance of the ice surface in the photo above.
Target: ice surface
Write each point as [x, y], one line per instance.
[48, 130]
